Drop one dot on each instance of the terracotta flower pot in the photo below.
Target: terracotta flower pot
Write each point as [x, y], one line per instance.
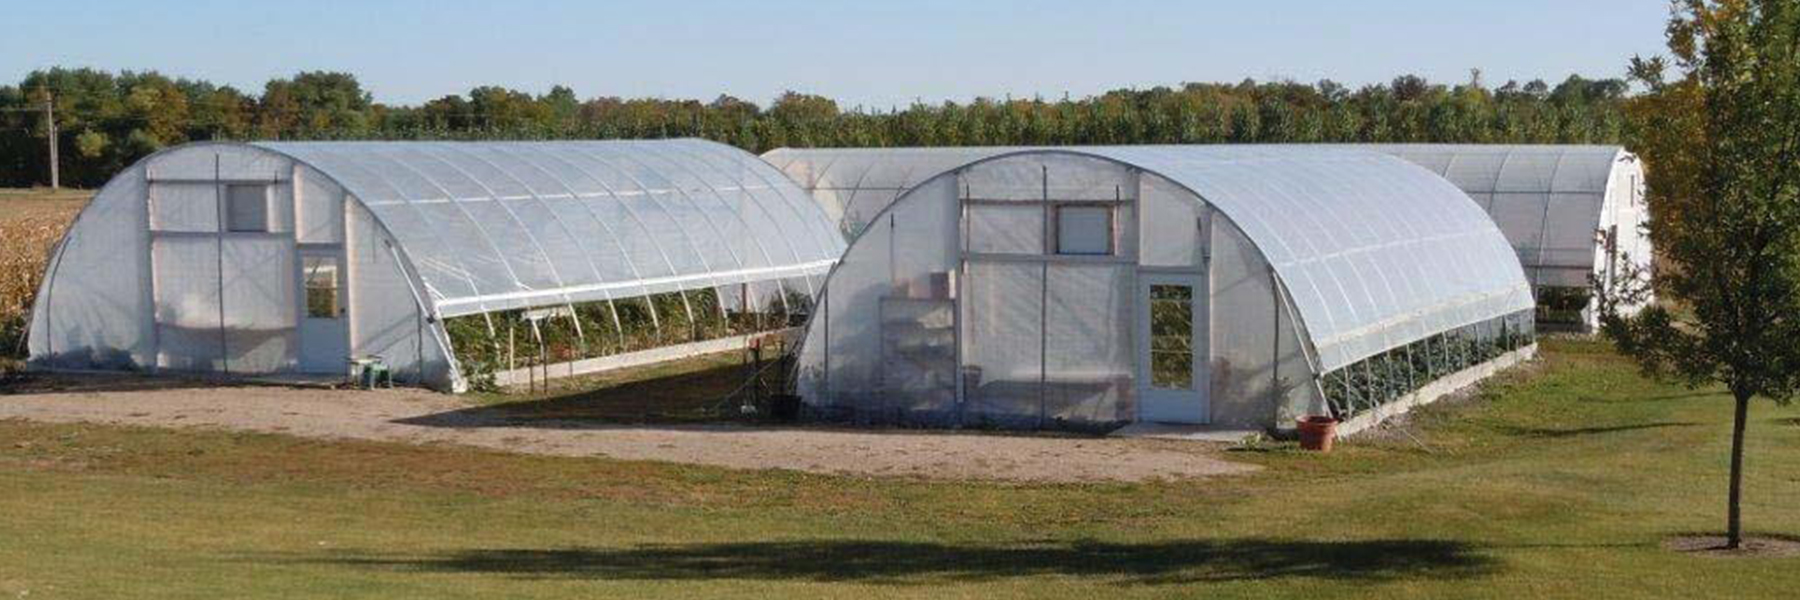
[1317, 432]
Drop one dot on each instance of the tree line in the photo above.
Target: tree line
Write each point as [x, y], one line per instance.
[105, 121]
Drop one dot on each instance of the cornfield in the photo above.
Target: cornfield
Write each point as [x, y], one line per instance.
[30, 225]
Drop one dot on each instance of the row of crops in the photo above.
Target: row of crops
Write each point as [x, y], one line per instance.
[489, 343]
[1388, 376]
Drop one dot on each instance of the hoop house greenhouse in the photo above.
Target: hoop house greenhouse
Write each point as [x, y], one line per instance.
[1237, 286]
[1570, 212]
[455, 263]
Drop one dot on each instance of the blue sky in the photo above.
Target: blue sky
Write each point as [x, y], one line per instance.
[863, 53]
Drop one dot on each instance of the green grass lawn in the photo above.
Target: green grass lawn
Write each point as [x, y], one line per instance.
[1558, 483]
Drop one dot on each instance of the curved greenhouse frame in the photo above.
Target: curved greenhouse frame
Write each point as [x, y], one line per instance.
[1575, 215]
[1235, 286]
[455, 263]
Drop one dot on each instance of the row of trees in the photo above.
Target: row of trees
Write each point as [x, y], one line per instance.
[108, 120]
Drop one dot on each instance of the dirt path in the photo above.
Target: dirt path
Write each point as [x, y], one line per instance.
[424, 417]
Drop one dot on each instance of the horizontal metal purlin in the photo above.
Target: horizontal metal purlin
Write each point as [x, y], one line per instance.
[1076, 201]
[1073, 259]
[269, 235]
[582, 196]
[217, 181]
[450, 307]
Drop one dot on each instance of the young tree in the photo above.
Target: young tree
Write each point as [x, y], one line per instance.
[1722, 141]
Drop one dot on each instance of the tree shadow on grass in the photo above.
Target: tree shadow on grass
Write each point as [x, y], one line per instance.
[904, 563]
[1544, 432]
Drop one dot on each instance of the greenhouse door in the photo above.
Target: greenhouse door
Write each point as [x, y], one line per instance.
[324, 332]
[1172, 349]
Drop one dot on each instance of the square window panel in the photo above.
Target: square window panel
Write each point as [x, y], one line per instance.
[1084, 230]
[247, 208]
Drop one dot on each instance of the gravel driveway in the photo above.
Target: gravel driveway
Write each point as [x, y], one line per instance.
[422, 417]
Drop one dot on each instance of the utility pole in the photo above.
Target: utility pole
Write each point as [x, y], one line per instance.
[50, 117]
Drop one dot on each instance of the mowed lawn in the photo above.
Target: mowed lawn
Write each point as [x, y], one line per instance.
[1560, 482]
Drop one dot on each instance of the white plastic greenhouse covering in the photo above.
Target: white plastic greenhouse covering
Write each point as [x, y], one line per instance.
[1310, 260]
[204, 257]
[1570, 212]
[852, 185]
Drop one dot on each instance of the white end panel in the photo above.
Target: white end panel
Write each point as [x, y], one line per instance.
[184, 207]
[843, 352]
[1091, 358]
[91, 310]
[1170, 226]
[385, 319]
[1003, 324]
[1244, 329]
[261, 306]
[1005, 229]
[188, 316]
[319, 210]
[201, 162]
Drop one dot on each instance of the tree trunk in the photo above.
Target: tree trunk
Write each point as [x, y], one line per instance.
[1734, 533]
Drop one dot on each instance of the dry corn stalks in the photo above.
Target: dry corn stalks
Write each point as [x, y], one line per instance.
[28, 231]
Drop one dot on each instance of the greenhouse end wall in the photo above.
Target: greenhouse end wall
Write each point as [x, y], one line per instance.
[195, 261]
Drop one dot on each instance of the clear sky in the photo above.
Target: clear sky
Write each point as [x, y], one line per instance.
[862, 53]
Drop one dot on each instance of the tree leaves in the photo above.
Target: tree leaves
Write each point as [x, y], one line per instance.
[138, 113]
[1723, 145]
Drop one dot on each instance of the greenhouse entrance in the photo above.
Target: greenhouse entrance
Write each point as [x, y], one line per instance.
[1171, 339]
[324, 336]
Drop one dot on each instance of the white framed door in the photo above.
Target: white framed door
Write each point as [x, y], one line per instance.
[1172, 349]
[324, 327]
